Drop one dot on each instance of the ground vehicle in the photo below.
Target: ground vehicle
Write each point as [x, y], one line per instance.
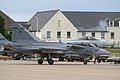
[5, 56]
[78, 58]
[103, 58]
[24, 57]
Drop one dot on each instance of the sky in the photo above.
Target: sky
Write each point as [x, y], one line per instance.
[23, 10]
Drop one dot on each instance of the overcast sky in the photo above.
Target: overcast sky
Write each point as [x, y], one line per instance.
[23, 10]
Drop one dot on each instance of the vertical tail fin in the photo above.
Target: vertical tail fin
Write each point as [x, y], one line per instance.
[3, 39]
[19, 33]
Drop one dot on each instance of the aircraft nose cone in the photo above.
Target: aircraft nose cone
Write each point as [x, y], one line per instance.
[103, 52]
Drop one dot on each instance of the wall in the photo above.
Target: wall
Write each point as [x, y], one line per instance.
[52, 25]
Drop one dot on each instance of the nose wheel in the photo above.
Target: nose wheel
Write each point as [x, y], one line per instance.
[85, 62]
[86, 59]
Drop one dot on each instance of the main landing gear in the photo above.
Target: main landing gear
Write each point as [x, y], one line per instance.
[85, 61]
[50, 60]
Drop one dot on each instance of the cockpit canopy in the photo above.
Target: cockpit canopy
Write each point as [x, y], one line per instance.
[86, 44]
[83, 44]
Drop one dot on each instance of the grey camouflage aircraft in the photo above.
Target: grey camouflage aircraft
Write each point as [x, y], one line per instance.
[24, 42]
[88, 39]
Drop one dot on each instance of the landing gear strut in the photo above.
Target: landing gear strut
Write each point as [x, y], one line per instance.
[50, 60]
[85, 61]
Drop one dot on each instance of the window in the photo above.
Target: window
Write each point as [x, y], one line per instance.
[58, 23]
[116, 23]
[83, 33]
[119, 23]
[111, 23]
[102, 34]
[93, 34]
[107, 22]
[48, 34]
[69, 34]
[58, 34]
[112, 35]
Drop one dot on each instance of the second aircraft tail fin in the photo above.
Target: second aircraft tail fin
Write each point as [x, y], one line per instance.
[3, 39]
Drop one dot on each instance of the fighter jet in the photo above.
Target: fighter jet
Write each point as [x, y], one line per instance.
[88, 39]
[21, 44]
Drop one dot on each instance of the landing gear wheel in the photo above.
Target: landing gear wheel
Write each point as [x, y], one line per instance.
[50, 61]
[40, 61]
[72, 60]
[68, 60]
[85, 62]
[24, 57]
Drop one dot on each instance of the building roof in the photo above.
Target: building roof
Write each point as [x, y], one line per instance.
[91, 21]
[8, 21]
[83, 21]
[43, 17]
[24, 24]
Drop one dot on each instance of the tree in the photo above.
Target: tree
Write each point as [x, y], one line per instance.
[3, 31]
[2, 25]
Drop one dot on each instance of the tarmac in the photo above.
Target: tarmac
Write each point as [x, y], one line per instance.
[30, 70]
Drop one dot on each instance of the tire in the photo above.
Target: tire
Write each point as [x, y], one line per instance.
[24, 57]
[68, 59]
[40, 61]
[85, 62]
[72, 60]
[50, 62]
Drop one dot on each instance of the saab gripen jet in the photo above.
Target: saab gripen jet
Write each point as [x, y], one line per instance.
[88, 39]
[22, 42]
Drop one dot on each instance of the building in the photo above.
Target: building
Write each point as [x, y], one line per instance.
[8, 21]
[56, 24]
